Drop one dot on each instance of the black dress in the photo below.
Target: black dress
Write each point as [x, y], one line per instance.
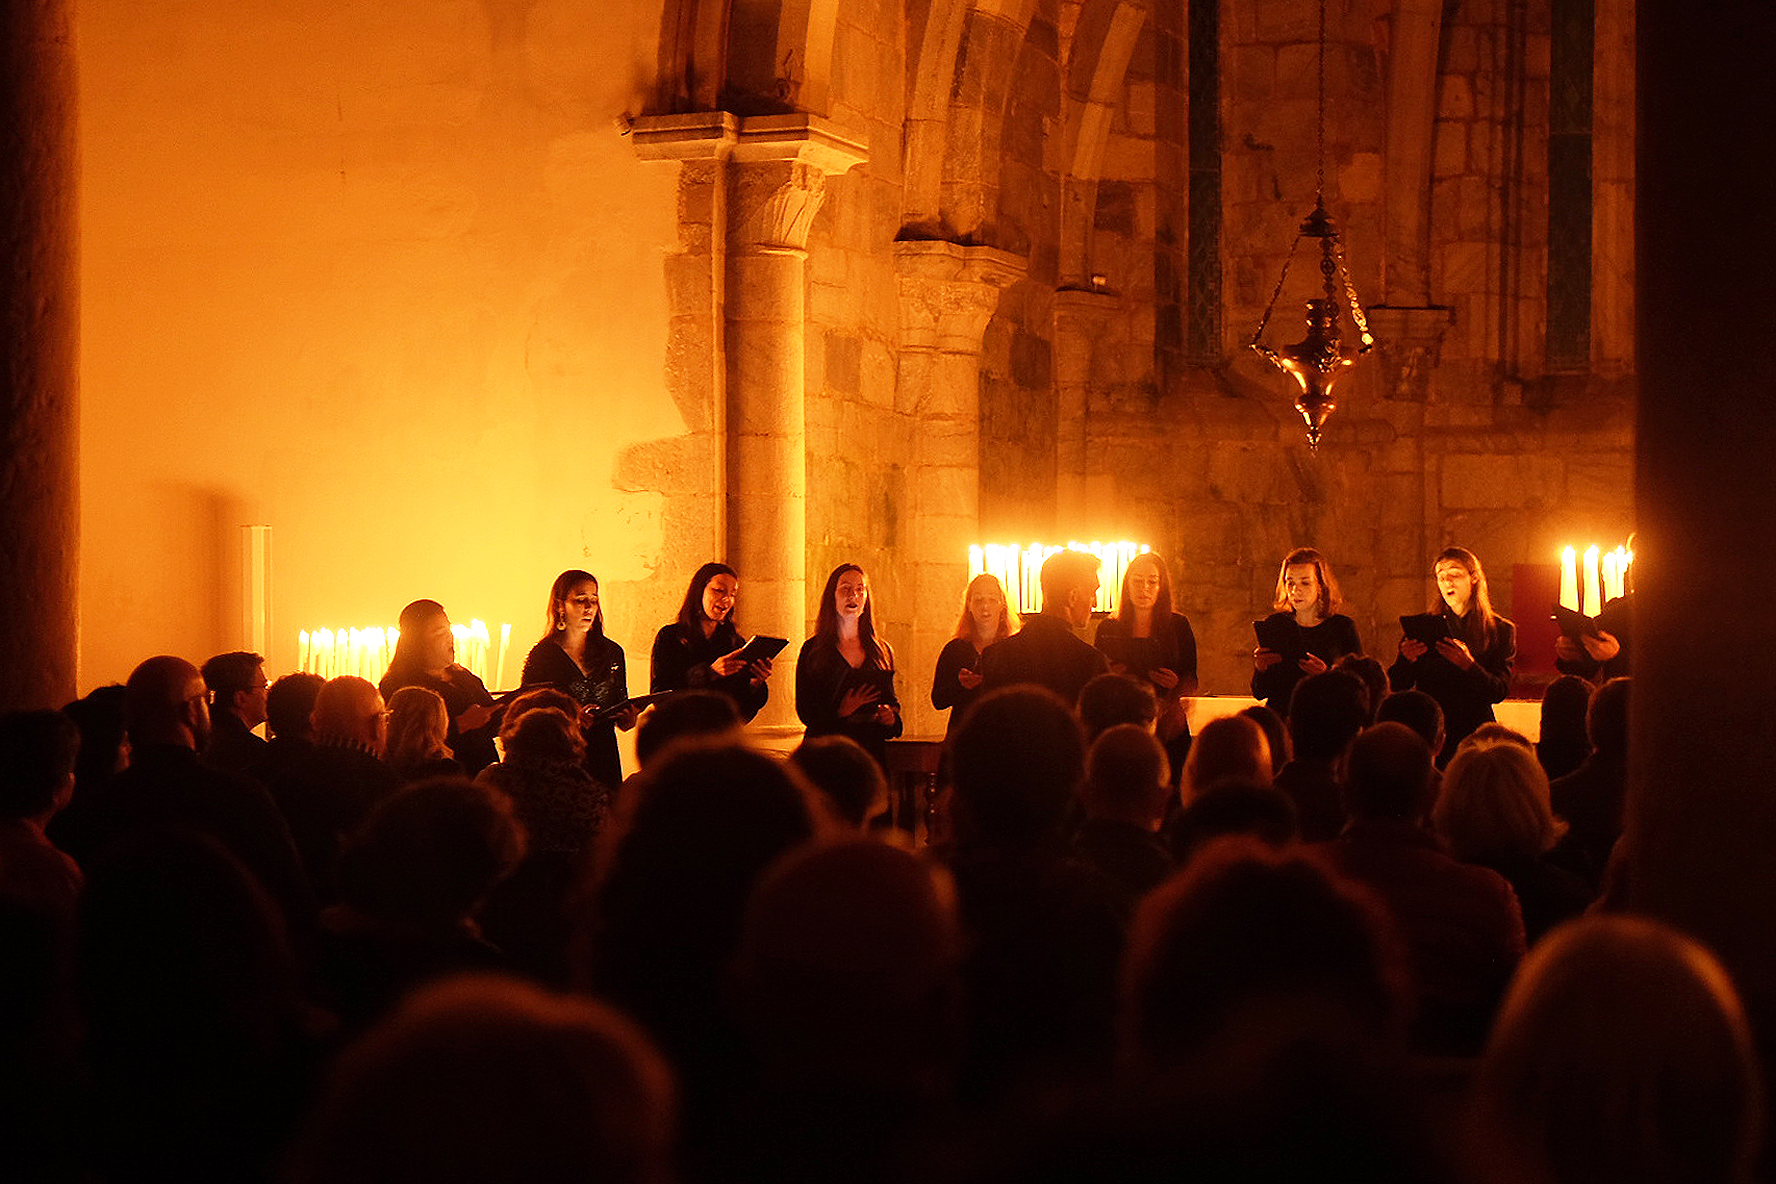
[1140, 655]
[607, 684]
[683, 659]
[460, 690]
[1466, 696]
[822, 678]
[947, 691]
[1328, 641]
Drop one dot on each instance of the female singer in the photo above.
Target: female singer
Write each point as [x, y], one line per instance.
[575, 656]
[425, 656]
[1470, 670]
[986, 618]
[845, 675]
[1306, 597]
[1148, 641]
[701, 648]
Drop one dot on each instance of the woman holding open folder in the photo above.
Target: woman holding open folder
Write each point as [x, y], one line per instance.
[575, 656]
[703, 648]
[1306, 633]
[845, 675]
[1461, 652]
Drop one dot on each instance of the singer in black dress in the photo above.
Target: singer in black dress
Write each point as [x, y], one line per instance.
[699, 650]
[1469, 671]
[1307, 598]
[576, 657]
[845, 675]
[986, 618]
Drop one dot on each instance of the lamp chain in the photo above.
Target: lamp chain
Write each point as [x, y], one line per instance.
[1320, 118]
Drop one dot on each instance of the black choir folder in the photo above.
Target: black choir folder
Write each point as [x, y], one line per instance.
[1280, 635]
[1575, 624]
[759, 648]
[1429, 628]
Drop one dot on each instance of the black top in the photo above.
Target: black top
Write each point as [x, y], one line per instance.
[1047, 653]
[947, 691]
[822, 678]
[1466, 696]
[607, 684]
[1328, 641]
[460, 690]
[683, 659]
[1140, 655]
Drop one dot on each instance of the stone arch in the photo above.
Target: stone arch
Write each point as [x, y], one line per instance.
[1103, 42]
[981, 94]
[749, 57]
[930, 83]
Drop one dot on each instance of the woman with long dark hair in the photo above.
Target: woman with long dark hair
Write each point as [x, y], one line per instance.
[425, 656]
[1308, 599]
[701, 649]
[575, 656]
[845, 675]
[986, 618]
[1470, 670]
[1148, 641]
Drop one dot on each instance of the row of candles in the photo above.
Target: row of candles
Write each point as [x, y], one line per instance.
[1018, 569]
[1605, 577]
[366, 653]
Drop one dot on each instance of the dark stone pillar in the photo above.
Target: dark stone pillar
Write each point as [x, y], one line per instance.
[39, 491]
[1702, 824]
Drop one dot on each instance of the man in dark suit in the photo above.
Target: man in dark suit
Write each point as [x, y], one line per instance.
[1048, 650]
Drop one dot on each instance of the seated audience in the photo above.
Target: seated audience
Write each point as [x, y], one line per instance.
[1461, 924]
[1276, 733]
[847, 983]
[1126, 789]
[1248, 955]
[327, 788]
[1591, 797]
[167, 714]
[1112, 699]
[38, 750]
[411, 880]
[237, 687]
[1563, 744]
[1417, 711]
[104, 746]
[853, 784]
[1232, 808]
[200, 1049]
[1372, 674]
[562, 807]
[687, 714]
[489, 1080]
[418, 725]
[1492, 811]
[1043, 932]
[1232, 748]
[1621, 1056]
[691, 836]
[1325, 713]
[1492, 732]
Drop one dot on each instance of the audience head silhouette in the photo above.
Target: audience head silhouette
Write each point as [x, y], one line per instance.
[1016, 762]
[1387, 775]
[165, 702]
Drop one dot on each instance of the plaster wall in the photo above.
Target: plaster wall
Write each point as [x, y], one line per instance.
[389, 279]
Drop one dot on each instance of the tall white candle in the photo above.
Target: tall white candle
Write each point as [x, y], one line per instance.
[1593, 583]
[1569, 579]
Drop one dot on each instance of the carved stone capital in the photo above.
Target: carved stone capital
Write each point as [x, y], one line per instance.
[1410, 341]
[948, 292]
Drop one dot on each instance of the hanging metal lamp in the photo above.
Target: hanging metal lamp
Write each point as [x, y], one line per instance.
[1318, 360]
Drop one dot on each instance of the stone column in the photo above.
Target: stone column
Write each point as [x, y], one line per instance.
[948, 294]
[39, 486]
[1702, 797]
[1082, 320]
[774, 178]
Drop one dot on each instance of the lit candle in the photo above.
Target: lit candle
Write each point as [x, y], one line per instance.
[1593, 586]
[302, 652]
[1569, 579]
[1611, 580]
[499, 671]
